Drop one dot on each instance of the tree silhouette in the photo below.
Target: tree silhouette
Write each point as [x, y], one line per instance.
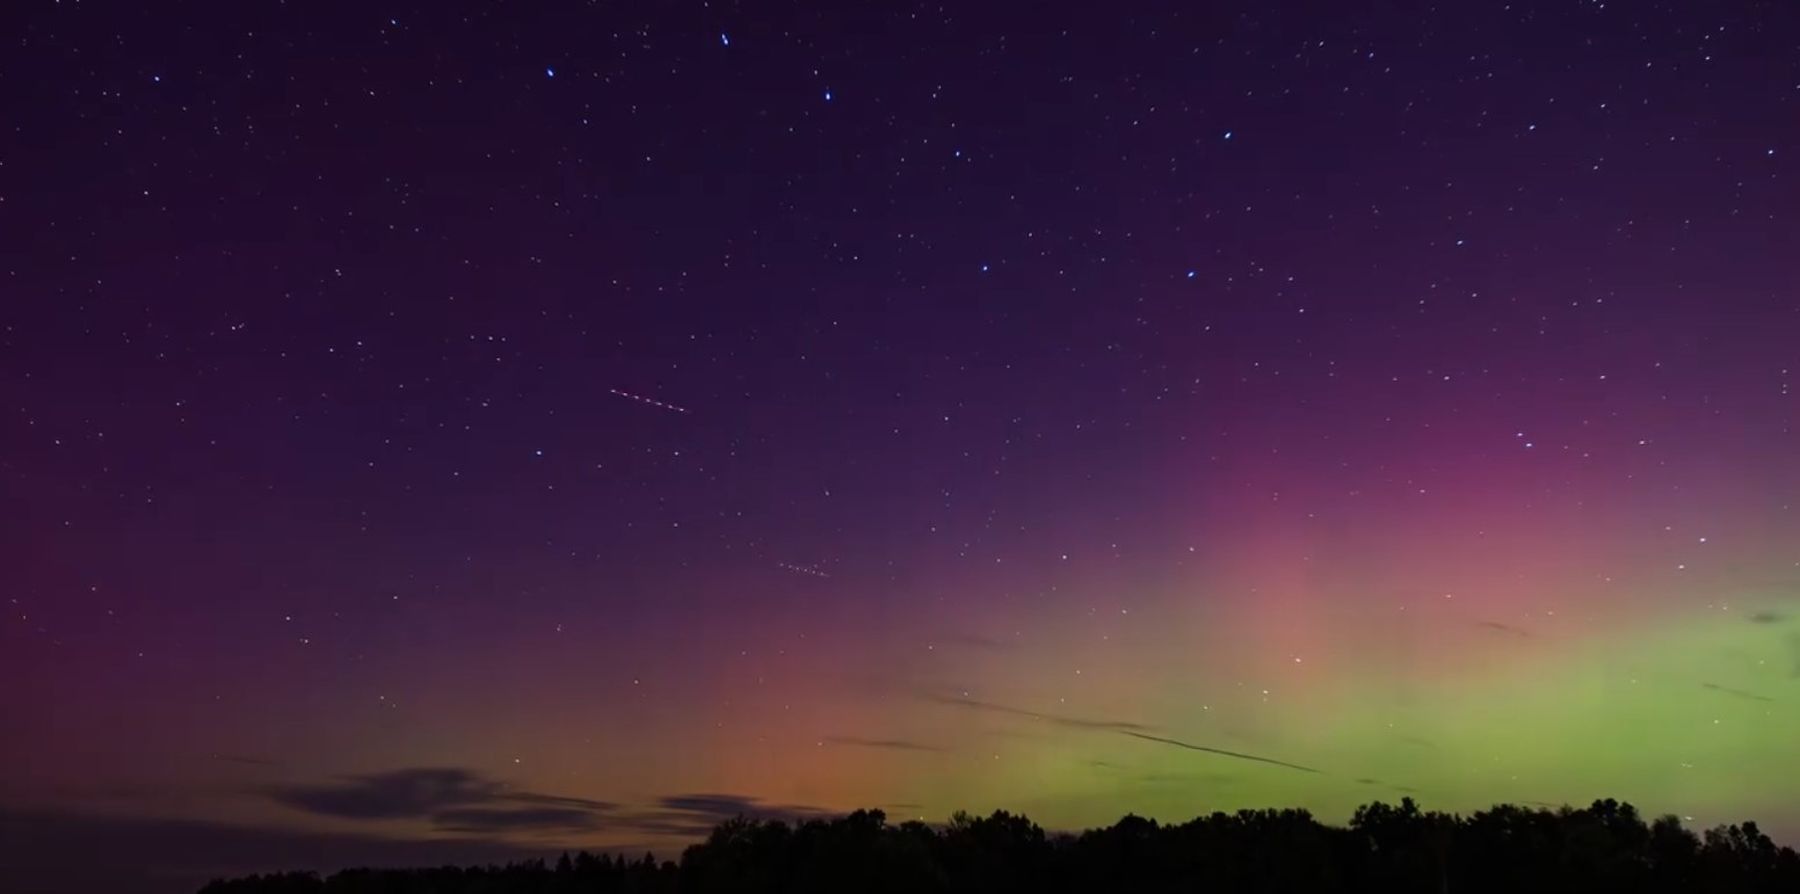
[1395, 849]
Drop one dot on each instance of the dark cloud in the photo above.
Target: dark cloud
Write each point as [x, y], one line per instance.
[485, 819]
[1739, 693]
[728, 806]
[724, 805]
[1119, 726]
[452, 798]
[397, 794]
[693, 815]
[1219, 751]
[891, 744]
[1504, 628]
[1767, 618]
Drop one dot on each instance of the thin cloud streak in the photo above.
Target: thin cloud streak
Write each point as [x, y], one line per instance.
[1120, 726]
[1504, 628]
[1219, 751]
[1740, 693]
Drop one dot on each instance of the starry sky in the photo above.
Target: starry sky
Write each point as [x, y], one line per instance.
[439, 431]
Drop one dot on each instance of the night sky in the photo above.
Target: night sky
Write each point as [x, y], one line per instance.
[436, 431]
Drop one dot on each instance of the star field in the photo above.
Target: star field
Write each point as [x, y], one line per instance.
[527, 427]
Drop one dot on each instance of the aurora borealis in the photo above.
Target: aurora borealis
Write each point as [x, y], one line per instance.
[443, 431]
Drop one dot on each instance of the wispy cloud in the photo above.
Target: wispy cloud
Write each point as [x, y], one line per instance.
[559, 801]
[890, 744]
[1215, 780]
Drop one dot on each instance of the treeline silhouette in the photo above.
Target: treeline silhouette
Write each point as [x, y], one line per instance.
[1605, 847]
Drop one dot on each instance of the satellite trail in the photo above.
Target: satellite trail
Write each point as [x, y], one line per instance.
[647, 400]
[802, 569]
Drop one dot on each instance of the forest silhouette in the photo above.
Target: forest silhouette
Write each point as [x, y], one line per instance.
[1605, 847]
